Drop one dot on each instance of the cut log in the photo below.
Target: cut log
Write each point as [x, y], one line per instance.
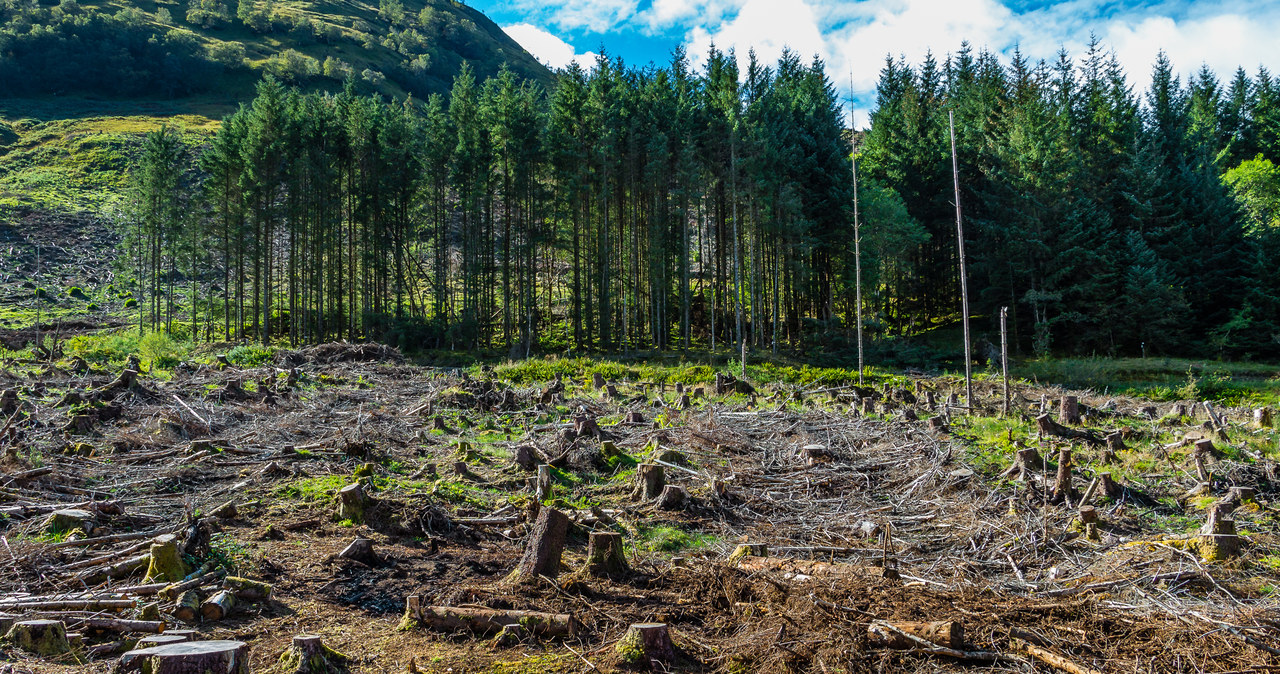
[166, 564]
[218, 606]
[120, 625]
[187, 608]
[246, 589]
[672, 497]
[1069, 410]
[605, 556]
[192, 581]
[544, 547]
[650, 481]
[223, 657]
[42, 637]
[1052, 659]
[309, 655]
[647, 645]
[1046, 426]
[948, 634]
[488, 621]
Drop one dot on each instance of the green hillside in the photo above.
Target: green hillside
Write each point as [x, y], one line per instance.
[165, 49]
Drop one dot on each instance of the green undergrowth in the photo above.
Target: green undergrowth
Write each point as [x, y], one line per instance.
[670, 539]
[537, 370]
[1161, 379]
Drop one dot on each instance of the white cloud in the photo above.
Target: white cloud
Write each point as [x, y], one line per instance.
[546, 47]
[855, 37]
[598, 16]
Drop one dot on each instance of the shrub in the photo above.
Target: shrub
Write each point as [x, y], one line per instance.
[251, 355]
[292, 65]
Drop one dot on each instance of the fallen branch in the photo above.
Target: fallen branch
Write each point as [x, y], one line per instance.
[887, 632]
[1052, 659]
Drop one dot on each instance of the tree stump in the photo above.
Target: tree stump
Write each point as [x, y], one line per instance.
[70, 519]
[161, 640]
[1109, 487]
[1238, 496]
[585, 425]
[437, 424]
[166, 564]
[1062, 489]
[597, 381]
[930, 400]
[544, 547]
[1218, 539]
[360, 550]
[543, 489]
[1262, 417]
[1069, 410]
[609, 450]
[650, 481]
[635, 418]
[510, 635]
[672, 497]
[218, 606]
[1025, 463]
[647, 645]
[223, 657]
[352, 502]
[525, 458]
[748, 550]
[1115, 444]
[683, 403]
[8, 401]
[41, 637]
[308, 655]
[605, 555]
[937, 424]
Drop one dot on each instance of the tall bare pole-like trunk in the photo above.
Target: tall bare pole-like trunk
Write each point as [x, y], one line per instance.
[1004, 353]
[964, 283]
[857, 239]
[737, 250]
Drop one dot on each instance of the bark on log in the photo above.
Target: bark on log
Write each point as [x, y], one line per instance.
[949, 634]
[544, 547]
[647, 645]
[187, 608]
[1046, 426]
[218, 606]
[120, 625]
[224, 657]
[489, 621]
[1052, 659]
[246, 589]
[172, 591]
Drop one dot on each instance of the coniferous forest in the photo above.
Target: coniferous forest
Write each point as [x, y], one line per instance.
[672, 207]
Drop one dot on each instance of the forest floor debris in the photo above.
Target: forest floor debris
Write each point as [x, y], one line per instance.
[413, 518]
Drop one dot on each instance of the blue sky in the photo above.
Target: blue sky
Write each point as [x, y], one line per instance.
[854, 37]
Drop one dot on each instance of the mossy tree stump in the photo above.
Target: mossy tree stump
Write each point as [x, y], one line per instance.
[166, 563]
[309, 655]
[41, 637]
[223, 657]
[352, 502]
[605, 556]
[647, 645]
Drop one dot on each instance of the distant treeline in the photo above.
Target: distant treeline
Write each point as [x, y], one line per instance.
[1103, 219]
[663, 207]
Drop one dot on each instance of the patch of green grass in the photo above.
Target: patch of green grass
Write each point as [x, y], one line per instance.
[312, 489]
[671, 539]
[251, 355]
[1161, 379]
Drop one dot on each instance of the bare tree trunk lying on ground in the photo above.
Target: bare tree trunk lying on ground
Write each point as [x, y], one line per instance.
[488, 621]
